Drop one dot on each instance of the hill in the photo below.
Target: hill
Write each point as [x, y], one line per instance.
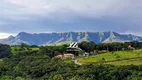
[67, 37]
[117, 58]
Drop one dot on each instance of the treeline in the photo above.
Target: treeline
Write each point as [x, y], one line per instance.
[89, 47]
[51, 51]
[115, 46]
[36, 65]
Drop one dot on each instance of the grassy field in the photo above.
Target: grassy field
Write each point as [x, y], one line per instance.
[127, 62]
[68, 61]
[116, 58]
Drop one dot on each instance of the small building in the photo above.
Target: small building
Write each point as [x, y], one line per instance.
[59, 56]
[74, 49]
[68, 56]
[65, 56]
[131, 48]
[86, 54]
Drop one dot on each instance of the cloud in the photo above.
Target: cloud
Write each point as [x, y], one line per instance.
[87, 7]
[5, 35]
[70, 15]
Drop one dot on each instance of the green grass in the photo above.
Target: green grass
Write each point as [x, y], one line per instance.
[119, 55]
[35, 48]
[68, 61]
[127, 62]
[1, 59]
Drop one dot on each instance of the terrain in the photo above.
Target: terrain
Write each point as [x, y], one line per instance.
[25, 62]
[68, 37]
[117, 58]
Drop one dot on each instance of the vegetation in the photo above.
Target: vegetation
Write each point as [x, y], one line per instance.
[113, 57]
[5, 51]
[32, 66]
[116, 46]
[24, 62]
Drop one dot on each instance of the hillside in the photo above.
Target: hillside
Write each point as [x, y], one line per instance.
[67, 37]
[117, 58]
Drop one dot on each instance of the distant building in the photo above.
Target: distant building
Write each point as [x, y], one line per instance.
[130, 47]
[68, 56]
[59, 56]
[74, 49]
[86, 54]
[65, 56]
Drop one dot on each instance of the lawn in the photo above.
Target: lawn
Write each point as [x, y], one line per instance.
[112, 58]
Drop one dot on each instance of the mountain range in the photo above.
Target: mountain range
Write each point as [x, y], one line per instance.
[68, 37]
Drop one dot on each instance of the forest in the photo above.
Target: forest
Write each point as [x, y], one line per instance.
[32, 62]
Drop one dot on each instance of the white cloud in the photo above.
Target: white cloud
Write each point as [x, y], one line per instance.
[5, 35]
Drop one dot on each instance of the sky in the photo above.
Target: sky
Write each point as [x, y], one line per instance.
[46, 16]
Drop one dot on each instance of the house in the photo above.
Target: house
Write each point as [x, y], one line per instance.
[68, 56]
[59, 56]
[131, 48]
[65, 56]
[74, 49]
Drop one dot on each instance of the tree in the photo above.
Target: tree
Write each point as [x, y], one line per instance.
[23, 46]
[87, 46]
[5, 51]
[58, 77]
